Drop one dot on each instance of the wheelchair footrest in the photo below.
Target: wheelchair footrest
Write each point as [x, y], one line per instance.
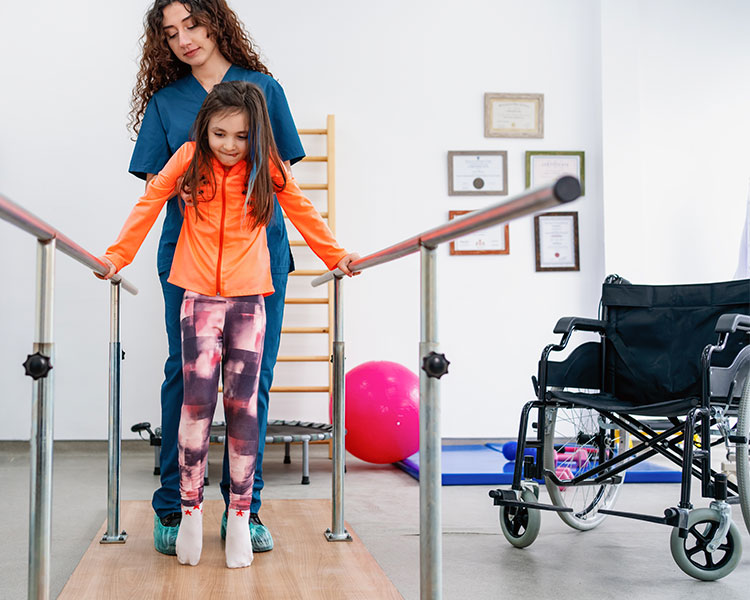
[671, 516]
[508, 498]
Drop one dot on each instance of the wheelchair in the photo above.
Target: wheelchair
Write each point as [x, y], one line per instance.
[649, 381]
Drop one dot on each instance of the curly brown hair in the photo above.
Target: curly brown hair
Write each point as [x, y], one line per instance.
[159, 66]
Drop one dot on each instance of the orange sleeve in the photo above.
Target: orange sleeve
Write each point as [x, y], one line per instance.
[308, 222]
[144, 213]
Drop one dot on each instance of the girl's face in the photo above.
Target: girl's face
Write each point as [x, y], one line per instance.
[227, 137]
[188, 40]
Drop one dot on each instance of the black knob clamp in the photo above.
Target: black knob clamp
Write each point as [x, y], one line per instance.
[37, 365]
[435, 365]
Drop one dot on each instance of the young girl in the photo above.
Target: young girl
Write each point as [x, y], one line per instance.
[188, 47]
[230, 174]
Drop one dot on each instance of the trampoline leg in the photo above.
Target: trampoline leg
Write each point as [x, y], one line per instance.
[157, 456]
[305, 462]
[287, 457]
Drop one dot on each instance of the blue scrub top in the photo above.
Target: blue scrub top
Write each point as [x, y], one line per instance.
[166, 126]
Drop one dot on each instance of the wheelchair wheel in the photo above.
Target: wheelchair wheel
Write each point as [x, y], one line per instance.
[691, 554]
[520, 525]
[743, 460]
[577, 440]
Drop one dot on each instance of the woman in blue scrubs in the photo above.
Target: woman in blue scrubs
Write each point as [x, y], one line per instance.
[188, 47]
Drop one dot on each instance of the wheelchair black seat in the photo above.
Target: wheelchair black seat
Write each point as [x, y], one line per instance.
[609, 403]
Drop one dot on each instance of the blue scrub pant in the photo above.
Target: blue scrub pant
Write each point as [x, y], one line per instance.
[166, 499]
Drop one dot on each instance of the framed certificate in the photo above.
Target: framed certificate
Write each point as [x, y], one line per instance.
[514, 115]
[492, 240]
[556, 241]
[545, 167]
[478, 173]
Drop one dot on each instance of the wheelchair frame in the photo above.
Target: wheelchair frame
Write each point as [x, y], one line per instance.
[518, 521]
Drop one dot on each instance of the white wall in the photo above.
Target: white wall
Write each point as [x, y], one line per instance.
[406, 83]
[675, 122]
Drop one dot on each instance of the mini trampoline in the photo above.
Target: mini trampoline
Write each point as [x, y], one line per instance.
[277, 432]
[288, 433]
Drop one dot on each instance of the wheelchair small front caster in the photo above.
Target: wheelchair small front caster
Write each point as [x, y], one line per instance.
[520, 525]
[693, 555]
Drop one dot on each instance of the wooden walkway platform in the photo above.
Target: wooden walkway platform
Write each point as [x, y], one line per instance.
[302, 565]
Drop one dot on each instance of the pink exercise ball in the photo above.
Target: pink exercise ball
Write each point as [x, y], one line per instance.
[382, 412]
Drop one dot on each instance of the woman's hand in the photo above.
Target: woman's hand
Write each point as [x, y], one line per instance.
[183, 192]
[112, 268]
[344, 264]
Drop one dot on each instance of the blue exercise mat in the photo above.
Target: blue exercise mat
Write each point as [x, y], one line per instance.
[486, 465]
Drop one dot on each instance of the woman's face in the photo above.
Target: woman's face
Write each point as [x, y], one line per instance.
[188, 40]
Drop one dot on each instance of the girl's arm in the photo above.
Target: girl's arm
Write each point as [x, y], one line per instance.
[159, 189]
[311, 225]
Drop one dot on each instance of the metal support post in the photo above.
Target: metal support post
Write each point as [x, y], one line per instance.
[113, 534]
[430, 529]
[42, 421]
[338, 533]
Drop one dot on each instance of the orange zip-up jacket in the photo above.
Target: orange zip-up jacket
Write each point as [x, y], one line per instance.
[218, 254]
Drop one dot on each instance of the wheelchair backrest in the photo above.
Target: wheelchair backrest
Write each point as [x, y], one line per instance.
[655, 336]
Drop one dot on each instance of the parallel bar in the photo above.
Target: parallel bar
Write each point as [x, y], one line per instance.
[313, 186]
[315, 159]
[430, 530]
[15, 214]
[42, 421]
[304, 330]
[564, 190]
[113, 535]
[337, 532]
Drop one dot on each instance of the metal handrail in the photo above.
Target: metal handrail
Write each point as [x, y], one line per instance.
[564, 190]
[39, 366]
[23, 219]
[432, 366]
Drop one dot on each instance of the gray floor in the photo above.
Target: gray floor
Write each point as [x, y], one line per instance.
[621, 558]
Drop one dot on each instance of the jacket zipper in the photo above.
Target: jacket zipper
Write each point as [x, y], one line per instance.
[221, 232]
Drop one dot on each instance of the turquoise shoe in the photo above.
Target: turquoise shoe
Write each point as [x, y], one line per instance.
[165, 533]
[259, 534]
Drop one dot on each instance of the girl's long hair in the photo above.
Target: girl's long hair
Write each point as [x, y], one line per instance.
[159, 66]
[228, 98]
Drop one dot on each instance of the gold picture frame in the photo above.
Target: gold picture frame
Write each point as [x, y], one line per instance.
[514, 115]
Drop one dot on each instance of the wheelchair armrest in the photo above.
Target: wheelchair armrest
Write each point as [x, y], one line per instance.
[730, 323]
[568, 324]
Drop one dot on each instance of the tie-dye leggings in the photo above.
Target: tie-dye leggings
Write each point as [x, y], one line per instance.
[228, 332]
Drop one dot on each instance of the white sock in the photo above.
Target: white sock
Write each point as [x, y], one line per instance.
[239, 548]
[189, 542]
